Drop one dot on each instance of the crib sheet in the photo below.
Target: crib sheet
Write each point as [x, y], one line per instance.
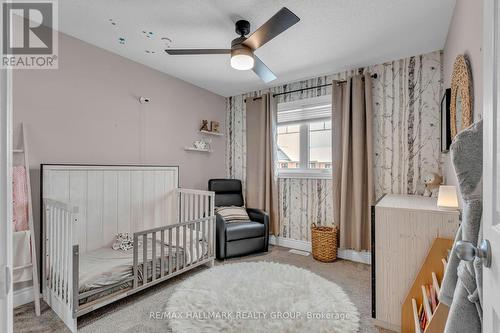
[105, 267]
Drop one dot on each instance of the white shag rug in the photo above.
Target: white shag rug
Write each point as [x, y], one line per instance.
[260, 297]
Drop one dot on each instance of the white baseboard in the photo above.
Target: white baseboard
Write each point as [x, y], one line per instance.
[23, 296]
[352, 255]
[290, 243]
[362, 257]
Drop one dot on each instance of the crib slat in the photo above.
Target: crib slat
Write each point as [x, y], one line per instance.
[207, 223]
[46, 253]
[162, 253]
[184, 247]
[54, 246]
[144, 259]
[49, 247]
[61, 249]
[191, 244]
[65, 258]
[191, 204]
[203, 239]
[53, 250]
[58, 251]
[177, 255]
[135, 260]
[212, 225]
[153, 261]
[209, 236]
[212, 236]
[60, 254]
[196, 206]
[48, 230]
[181, 207]
[64, 226]
[68, 256]
[186, 208]
[191, 207]
[197, 225]
[76, 269]
[205, 210]
[72, 224]
[212, 205]
[169, 251]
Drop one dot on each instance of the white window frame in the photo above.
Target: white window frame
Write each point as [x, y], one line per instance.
[304, 171]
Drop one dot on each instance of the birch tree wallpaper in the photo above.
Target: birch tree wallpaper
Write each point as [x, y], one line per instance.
[406, 97]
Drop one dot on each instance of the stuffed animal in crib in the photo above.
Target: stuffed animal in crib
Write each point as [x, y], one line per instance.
[432, 182]
[124, 241]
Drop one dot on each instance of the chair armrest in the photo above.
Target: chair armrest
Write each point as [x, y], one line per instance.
[220, 240]
[258, 215]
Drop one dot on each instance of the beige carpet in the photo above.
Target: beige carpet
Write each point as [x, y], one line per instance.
[133, 313]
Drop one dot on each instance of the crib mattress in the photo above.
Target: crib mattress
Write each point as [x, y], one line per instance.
[106, 267]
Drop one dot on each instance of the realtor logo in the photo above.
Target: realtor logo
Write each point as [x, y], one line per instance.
[29, 35]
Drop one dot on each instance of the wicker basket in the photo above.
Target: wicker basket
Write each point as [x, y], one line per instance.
[324, 243]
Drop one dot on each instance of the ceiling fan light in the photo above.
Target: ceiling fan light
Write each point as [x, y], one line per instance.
[242, 59]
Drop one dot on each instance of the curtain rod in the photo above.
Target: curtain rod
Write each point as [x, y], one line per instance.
[309, 88]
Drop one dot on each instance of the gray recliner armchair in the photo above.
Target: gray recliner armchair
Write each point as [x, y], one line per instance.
[238, 238]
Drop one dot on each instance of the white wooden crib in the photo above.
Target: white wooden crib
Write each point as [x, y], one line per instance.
[84, 207]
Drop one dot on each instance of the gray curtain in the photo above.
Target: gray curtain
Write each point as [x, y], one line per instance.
[261, 182]
[352, 156]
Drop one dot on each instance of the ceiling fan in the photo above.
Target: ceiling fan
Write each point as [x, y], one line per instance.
[242, 48]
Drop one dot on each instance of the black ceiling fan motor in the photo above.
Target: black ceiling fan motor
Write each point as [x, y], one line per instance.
[242, 27]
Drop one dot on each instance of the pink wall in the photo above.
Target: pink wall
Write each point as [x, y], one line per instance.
[465, 37]
[88, 111]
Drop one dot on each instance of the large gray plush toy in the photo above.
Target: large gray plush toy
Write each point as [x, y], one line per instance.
[462, 287]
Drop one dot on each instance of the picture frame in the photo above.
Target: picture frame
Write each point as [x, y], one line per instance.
[445, 121]
[214, 126]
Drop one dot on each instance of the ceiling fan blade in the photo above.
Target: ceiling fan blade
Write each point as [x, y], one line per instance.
[197, 51]
[281, 21]
[263, 71]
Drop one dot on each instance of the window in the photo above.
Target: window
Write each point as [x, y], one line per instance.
[289, 146]
[304, 138]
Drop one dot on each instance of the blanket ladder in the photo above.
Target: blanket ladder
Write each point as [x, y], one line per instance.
[21, 157]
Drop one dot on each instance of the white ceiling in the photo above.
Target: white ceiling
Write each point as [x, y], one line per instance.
[332, 35]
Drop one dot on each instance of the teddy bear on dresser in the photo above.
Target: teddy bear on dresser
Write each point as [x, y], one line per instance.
[432, 183]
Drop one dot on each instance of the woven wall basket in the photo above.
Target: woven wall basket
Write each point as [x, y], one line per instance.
[324, 243]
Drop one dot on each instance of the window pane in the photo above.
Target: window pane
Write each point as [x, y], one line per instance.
[316, 126]
[320, 145]
[289, 146]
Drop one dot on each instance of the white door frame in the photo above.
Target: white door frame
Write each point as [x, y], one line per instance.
[491, 165]
[6, 308]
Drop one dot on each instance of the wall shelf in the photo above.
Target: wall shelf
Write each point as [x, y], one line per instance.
[198, 149]
[212, 133]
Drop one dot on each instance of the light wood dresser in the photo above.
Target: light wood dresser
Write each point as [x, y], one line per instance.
[403, 230]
